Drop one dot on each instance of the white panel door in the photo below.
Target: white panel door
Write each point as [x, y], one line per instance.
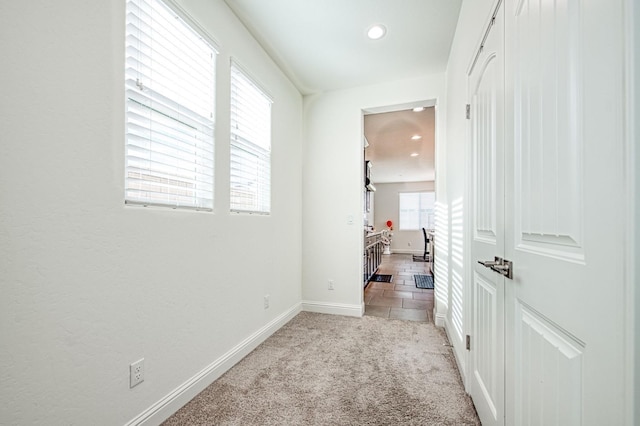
[486, 99]
[564, 212]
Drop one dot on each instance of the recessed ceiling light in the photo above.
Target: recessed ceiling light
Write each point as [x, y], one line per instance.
[418, 109]
[376, 31]
[416, 137]
[415, 154]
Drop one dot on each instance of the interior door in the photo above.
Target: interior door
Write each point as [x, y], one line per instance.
[486, 101]
[564, 213]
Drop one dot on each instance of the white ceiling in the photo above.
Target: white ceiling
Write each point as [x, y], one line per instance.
[322, 45]
[390, 146]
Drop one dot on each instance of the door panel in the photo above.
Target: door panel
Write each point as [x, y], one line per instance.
[484, 105]
[564, 212]
[486, 94]
[486, 343]
[547, 129]
[549, 387]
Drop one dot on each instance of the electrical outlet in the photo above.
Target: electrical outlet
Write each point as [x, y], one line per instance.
[136, 373]
[330, 285]
[266, 301]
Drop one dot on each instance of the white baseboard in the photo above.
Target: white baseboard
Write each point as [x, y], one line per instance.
[403, 251]
[438, 319]
[163, 409]
[333, 308]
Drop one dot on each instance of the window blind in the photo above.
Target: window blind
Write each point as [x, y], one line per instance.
[416, 210]
[170, 92]
[250, 145]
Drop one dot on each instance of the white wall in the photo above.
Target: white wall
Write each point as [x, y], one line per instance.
[634, 51]
[88, 285]
[453, 201]
[332, 185]
[387, 208]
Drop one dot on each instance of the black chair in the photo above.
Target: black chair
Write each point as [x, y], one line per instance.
[425, 256]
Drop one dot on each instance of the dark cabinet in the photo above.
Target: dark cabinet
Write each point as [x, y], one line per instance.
[373, 249]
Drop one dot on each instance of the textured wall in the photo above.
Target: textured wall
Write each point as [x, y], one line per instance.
[88, 285]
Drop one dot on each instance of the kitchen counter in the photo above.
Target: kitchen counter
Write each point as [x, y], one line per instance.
[373, 248]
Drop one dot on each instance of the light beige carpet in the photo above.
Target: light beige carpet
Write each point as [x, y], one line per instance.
[333, 370]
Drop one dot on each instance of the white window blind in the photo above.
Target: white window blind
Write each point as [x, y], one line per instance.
[170, 92]
[417, 210]
[250, 145]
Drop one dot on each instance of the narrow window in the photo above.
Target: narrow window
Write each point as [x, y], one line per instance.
[170, 92]
[417, 210]
[250, 145]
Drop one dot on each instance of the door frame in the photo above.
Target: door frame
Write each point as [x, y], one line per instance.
[632, 258]
[427, 103]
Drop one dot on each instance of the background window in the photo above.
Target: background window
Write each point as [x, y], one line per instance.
[170, 92]
[417, 210]
[250, 145]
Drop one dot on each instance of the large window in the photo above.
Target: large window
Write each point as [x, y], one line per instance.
[250, 145]
[170, 92]
[417, 210]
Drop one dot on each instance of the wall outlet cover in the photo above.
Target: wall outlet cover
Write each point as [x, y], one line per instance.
[136, 373]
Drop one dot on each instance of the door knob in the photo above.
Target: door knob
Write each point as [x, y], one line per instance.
[489, 263]
[499, 265]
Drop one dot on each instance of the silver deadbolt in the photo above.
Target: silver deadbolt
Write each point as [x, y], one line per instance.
[499, 265]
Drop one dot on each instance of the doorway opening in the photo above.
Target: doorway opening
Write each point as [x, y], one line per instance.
[399, 176]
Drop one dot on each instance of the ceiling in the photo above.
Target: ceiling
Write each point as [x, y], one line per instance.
[390, 146]
[322, 44]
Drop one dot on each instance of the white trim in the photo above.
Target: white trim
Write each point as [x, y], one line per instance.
[233, 61]
[333, 308]
[186, 16]
[172, 402]
[403, 251]
[439, 319]
[482, 37]
[460, 359]
[631, 391]
[427, 103]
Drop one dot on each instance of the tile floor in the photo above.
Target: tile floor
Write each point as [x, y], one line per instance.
[400, 299]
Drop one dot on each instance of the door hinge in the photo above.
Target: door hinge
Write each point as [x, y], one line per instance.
[468, 342]
[468, 112]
